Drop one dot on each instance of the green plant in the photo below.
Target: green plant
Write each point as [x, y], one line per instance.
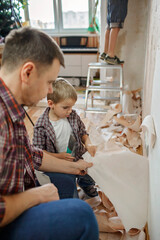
[94, 24]
[10, 15]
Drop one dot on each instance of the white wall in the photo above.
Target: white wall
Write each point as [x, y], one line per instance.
[139, 45]
[151, 102]
[151, 106]
[154, 158]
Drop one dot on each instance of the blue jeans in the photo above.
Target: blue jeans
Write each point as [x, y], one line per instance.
[117, 12]
[65, 183]
[68, 219]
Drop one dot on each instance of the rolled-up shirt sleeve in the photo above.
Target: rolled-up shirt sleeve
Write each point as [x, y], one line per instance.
[37, 154]
[82, 129]
[2, 208]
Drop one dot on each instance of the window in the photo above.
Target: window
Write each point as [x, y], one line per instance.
[61, 16]
[75, 15]
[41, 14]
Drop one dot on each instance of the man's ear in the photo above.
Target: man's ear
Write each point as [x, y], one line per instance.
[50, 103]
[27, 71]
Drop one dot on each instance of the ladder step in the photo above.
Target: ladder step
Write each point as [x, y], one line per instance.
[102, 85]
[99, 81]
[103, 88]
[104, 65]
[104, 82]
[100, 110]
[106, 98]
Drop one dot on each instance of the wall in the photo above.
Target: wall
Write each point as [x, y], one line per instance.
[139, 45]
[151, 106]
[131, 41]
[154, 156]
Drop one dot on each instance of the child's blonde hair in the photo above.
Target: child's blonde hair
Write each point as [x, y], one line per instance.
[62, 90]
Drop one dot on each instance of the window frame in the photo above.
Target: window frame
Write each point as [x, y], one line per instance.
[59, 30]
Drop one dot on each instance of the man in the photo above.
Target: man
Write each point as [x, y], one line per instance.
[30, 63]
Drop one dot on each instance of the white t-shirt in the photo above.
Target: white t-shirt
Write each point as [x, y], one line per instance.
[62, 131]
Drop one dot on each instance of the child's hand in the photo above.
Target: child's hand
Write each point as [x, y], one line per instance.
[65, 156]
[91, 149]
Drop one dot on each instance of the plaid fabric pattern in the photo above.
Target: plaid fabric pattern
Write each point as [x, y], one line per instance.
[17, 157]
[44, 136]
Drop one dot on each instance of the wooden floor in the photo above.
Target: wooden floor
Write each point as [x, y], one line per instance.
[35, 112]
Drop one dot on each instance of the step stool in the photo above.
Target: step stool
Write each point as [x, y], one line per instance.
[91, 88]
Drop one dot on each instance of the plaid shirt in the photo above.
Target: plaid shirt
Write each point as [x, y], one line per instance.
[44, 136]
[17, 157]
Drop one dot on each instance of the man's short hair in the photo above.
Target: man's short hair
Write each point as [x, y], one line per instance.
[29, 44]
[62, 90]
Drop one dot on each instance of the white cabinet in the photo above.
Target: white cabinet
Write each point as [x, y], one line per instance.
[76, 64]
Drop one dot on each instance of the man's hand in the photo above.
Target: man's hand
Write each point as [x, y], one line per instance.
[53, 164]
[47, 193]
[27, 199]
[81, 167]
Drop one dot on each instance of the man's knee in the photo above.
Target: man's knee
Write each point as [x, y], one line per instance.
[67, 219]
[83, 220]
[72, 219]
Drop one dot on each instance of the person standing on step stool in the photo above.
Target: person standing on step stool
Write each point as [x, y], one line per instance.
[116, 14]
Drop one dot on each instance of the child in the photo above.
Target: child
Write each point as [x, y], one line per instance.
[116, 14]
[59, 130]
